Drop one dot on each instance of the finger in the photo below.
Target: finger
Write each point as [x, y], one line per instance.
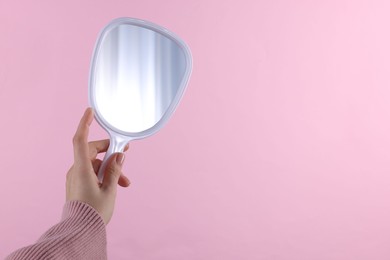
[80, 139]
[96, 147]
[126, 147]
[124, 181]
[101, 146]
[113, 171]
[96, 165]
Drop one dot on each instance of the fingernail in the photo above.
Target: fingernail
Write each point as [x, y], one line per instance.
[127, 181]
[120, 158]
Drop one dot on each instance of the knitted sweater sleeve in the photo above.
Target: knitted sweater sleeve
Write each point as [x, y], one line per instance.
[81, 234]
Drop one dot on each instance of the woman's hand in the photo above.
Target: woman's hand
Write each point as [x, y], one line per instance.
[82, 183]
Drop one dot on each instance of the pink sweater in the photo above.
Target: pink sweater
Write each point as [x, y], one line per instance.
[81, 234]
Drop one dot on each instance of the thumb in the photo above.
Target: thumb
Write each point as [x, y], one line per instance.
[113, 170]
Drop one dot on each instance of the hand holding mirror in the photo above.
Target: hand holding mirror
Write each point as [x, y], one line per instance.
[139, 72]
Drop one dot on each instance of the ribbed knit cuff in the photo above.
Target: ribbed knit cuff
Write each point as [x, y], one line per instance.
[79, 209]
[81, 234]
[89, 230]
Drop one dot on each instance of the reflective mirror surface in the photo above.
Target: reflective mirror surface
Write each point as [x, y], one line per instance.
[138, 73]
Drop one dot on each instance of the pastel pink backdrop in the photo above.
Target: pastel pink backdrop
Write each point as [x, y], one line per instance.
[279, 149]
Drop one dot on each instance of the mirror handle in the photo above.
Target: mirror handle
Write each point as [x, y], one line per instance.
[117, 145]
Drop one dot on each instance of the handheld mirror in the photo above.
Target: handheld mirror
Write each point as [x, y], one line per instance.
[138, 74]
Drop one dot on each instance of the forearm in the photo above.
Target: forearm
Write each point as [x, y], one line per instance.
[80, 234]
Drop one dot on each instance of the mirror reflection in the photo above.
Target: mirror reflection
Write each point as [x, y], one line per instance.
[137, 75]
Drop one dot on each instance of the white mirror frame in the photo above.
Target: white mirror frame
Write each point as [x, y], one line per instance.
[119, 138]
[154, 27]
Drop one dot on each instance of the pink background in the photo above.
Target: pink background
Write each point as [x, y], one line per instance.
[279, 149]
